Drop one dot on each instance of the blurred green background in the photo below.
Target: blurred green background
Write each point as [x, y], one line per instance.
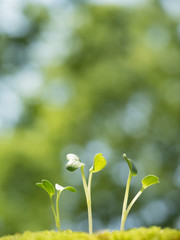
[86, 77]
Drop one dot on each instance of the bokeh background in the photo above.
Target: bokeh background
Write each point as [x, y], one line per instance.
[88, 77]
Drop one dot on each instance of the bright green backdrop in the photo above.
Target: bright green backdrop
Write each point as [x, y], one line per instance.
[85, 79]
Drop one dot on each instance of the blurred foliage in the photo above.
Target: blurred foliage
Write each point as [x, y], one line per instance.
[113, 88]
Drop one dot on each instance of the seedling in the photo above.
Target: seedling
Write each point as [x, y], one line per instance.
[49, 188]
[75, 163]
[146, 182]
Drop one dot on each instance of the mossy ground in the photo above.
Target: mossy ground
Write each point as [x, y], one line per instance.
[152, 233]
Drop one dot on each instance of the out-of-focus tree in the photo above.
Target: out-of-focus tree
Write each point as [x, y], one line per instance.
[113, 88]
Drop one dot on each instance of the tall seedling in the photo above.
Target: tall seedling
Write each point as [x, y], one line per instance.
[146, 182]
[75, 163]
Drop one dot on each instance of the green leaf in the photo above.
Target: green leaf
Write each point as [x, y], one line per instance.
[99, 163]
[61, 188]
[71, 189]
[48, 187]
[40, 185]
[149, 180]
[131, 165]
[73, 162]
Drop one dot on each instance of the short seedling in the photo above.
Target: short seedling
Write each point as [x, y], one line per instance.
[49, 188]
[146, 182]
[75, 163]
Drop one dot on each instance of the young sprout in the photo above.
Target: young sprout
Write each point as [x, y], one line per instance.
[146, 182]
[49, 188]
[75, 163]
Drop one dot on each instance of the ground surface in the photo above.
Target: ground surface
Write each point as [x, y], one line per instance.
[153, 233]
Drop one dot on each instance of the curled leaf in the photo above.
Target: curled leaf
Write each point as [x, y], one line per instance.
[72, 157]
[73, 162]
[99, 163]
[47, 186]
[73, 165]
[131, 165]
[149, 180]
[61, 188]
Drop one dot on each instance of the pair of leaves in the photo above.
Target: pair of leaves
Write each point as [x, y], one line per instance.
[146, 181]
[49, 188]
[75, 163]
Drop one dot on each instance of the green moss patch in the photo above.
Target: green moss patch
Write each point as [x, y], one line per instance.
[152, 233]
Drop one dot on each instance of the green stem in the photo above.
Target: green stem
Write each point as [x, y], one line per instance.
[90, 203]
[89, 181]
[134, 200]
[57, 211]
[123, 219]
[54, 212]
[88, 199]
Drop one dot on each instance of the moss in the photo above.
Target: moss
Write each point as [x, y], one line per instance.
[152, 233]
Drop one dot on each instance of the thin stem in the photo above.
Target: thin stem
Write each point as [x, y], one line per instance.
[125, 201]
[57, 211]
[88, 200]
[89, 181]
[134, 200]
[131, 204]
[90, 204]
[54, 212]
